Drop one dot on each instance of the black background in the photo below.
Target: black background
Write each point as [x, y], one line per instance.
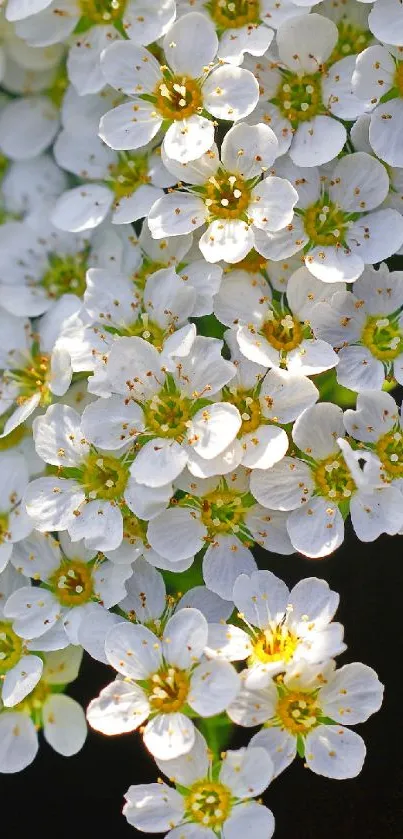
[83, 796]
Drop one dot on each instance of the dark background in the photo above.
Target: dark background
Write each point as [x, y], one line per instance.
[72, 798]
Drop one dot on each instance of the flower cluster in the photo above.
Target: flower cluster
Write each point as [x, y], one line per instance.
[201, 345]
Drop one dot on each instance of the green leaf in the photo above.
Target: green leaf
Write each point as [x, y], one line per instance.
[209, 325]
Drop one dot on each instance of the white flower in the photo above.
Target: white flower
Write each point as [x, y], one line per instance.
[40, 265]
[367, 329]
[127, 185]
[74, 578]
[378, 77]
[206, 801]
[60, 717]
[34, 369]
[335, 222]
[266, 401]
[161, 678]
[229, 196]
[27, 183]
[377, 424]
[179, 91]
[221, 513]
[351, 19]
[306, 91]
[40, 118]
[278, 627]
[324, 483]
[173, 412]
[14, 522]
[90, 489]
[273, 331]
[306, 711]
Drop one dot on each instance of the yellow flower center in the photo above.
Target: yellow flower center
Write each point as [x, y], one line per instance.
[283, 333]
[147, 268]
[168, 690]
[134, 529]
[222, 511]
[253, 263]
[11, 647]
[277, 644]
[226, 196]
[399, 77]
[72, 583]
[325, 224]
[65, 275]
[333, 478]
[352, 40]
[232, 14]
[248, 407]
[102, 11]
[130, 172]
[32, 378]
[178, 97]
[167, 414]
[389, 449]
[383, 337]
[299, 97]
[298, 711]
[208, 803]
[5, 534]
[104, 477]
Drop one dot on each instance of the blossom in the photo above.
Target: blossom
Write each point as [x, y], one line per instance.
[385, 21]
[205, 801]
[171, 411]
[229, 196]
[323, 483]
[60, 717]
[306, 91]
[91, 492]
[338, 220]
[275, 332]
[366, 328]
[161, 677]
[278, 627]
[305, 712]
[219, 513]
[73, 578]
[179, 91]
[20, 669]
[376, 423]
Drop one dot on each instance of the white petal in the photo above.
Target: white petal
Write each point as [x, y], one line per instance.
[269, 529]
[64, 725]
[264, 447]
[184, 638]
[32, 610]
[21, 680]
[313, 602]
[279, 744]
[352, 694]
[327, 419]
[247, 772]
[176, 214]
[375, 415]
[153, 807]
[213, 428]
[316, 529]
[112, 423]
[317, 141]
[262, 598]
[188, 768]
[145, 22]
[230, 93]
[93, 630]
[227, 240]
[377, 235]
[62, 666]
[40, 120]
[131, 125]
[223, 562]
[133, 651]
[100, 524]
[384, 132]
[213, 686]
[335, 752]
[272, 205]
[249, 817]
[168, 736]
[189, 139]
[228, 642]
[83, 60]
[359, 370]
[176, 534]
[385, 21]
[159, 462]
[213, 607]
[130, 69]
[185, 55]
[284, 396]
[18, 742]
[254, 707]
[82, 208]
[58, 437]
[258, 146]
[119, 708]
[285, 486]
[305, 42]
